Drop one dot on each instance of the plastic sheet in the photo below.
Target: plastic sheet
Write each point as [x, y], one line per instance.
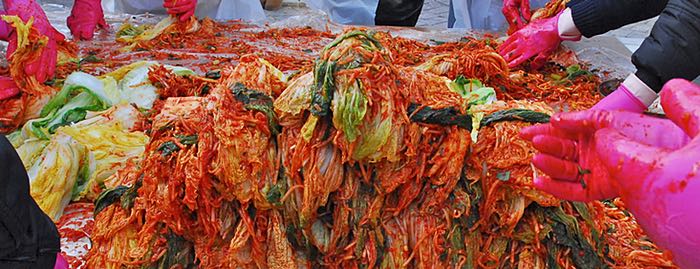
[606, 54]
[602, 53]
[603, 56]
[315, 19]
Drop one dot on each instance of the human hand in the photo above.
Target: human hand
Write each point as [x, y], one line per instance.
[517, 13]
[660, 185]
[44, 66]
[568, 153]
[86, 16]
[538, 39]
[184, 9]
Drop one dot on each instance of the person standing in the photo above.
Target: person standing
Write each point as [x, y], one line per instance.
[248, 10]
[43, 67]
[670, 51]
[489, 15]
[651, 163]
[28, 237]
[371, 12]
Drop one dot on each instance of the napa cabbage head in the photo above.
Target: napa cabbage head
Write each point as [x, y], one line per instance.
[349, 107]
[473, 91]
[297, 97]
[132, 34]
[268, 67]
[30, 150]
[109, 147]
[375, 134]
[53, 178]
[338, 50]
[99, 146]
[80, 94]
[125, 115]
[137, 89]
[439, 65]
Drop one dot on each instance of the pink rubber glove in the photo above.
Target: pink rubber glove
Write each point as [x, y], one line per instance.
[44, 67]
[568, 155]
[621, 99]
[517, 13]
[5, 28]
[8, 88]
[85, 17]
[661, 186]
[539, 39]
[184, 9]
[61, 262]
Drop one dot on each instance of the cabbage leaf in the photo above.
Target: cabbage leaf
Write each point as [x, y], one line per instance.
[30, 150]
[473, 90]
[109, 146]
[52, 179]
[349, 108]
[297, 97]
[133, 34]
[137, 89]
[375, 134]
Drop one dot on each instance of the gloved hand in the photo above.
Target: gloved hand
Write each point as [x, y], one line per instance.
[5, 28]
[621, 99]
[517, 13]
[61, 262]
[44, 67]
[180, 8]
[568, 155]
[538, 39]
[661, 185]
[85, 17]
[8, 88]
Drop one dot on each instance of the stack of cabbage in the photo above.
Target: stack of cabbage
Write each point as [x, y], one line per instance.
[83, 135]
[361, 163]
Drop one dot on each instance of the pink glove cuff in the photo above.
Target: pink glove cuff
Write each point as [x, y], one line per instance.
[621, 99]
[633, 99]
[61, 262]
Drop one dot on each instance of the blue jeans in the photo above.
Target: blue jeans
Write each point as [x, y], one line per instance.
[451, 16]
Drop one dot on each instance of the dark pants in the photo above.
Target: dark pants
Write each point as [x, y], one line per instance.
[28, 237]
[398, 12]
[451, 16]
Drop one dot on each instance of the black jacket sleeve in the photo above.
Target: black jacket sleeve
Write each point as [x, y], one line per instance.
[28, 237]
[672, 50]
[594, 17]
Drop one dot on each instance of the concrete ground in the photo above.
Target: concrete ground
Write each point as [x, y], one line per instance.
[632, 35]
